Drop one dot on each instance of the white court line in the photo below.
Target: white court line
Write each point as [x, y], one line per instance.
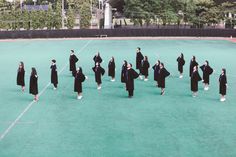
[32, 102]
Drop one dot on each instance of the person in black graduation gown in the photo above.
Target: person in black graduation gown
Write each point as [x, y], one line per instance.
[145, 67]
[195, 78]
[73, 61]
[223, 85]
[181, 63]
[207, 71]
[111, 69]
[156, 69]
[99, 71]
[139, 58]
[20, 80]
[54, 76]
[131, 74]
[79, 79]
[34, 84]
[123, 72]
[193, 63]
[163, 73]
[97, 58]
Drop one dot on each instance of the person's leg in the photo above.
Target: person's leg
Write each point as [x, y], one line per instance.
[55, 86]
[130, 93]
[99, 86]
[222, 98]
[79, 95]
[23, 88]
[162, 91]
[36, 97]
[146, 78]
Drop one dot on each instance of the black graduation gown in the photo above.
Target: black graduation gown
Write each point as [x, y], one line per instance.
[33, 84]
[181, 63]
[79, 78]
[207, 71]
[99, 71]
[192, 65]
[123, 73]
[195, 78]
[156, 69]
[54, 77]
[73, 60]
[97, 59]
[163, 73]
[131, 74]
[20, 80]
[223, 82]
[145, 66]
[111, 69]
[139, 58]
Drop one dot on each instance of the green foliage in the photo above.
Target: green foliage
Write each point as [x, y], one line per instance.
[70, 18]
[85, 15]
[57, 16]
[197, 12]
[50, 18]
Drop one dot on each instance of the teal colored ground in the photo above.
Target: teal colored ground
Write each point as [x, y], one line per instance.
[107, 123]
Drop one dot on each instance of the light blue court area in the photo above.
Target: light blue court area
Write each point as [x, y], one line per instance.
[106, 123]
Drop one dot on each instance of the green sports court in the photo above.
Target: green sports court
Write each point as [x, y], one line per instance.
[107, 123]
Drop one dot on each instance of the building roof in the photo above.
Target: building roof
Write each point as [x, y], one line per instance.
[35, 7]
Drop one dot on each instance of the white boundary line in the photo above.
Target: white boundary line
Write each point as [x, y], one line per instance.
[32, 102]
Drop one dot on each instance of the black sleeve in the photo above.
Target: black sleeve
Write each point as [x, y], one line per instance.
[93, 69]
[202, 67]
[102, 71]
[210, 70]
[167, 73]
[153, 67]
[94, 58]
[82, 78]
[135, 74]
[76, 59]
[199, 77]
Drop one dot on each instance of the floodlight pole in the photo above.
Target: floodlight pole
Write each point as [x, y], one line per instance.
[62, 14]
[91, 11]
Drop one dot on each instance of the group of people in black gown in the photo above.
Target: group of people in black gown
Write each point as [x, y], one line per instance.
[128, 74]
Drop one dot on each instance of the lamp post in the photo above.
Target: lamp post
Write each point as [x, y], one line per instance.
[91, 12]
[34, 2]
[62, 14]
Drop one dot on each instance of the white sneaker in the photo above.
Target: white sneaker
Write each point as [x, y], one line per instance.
[222, 99]
[181, 76]
[79, 97]
[99, 87]
[145, 79]
[112, 80]
[54, 88]
[140, 77]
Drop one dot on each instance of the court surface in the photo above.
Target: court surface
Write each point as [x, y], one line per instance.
[106, 123]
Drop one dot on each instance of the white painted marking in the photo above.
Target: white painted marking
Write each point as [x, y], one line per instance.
[32, 102]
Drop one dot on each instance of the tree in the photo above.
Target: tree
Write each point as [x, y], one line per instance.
[85, 16]
[57, 16]
[50, 18]
[70, 18]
